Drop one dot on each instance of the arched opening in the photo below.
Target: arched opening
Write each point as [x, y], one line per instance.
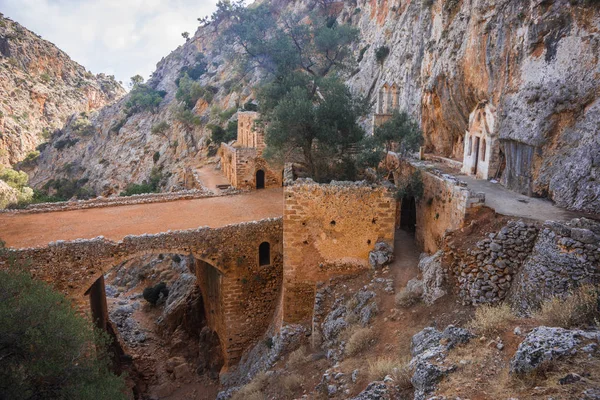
[264, 254]
[260, 179]
[408, 215]
[159, 307]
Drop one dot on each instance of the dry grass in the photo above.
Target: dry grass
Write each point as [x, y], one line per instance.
[492, 319]
[254, 389]
[579, 308]
[297, 357]
[406, 298]
[292, 383]
[359, 339]
[396, 368]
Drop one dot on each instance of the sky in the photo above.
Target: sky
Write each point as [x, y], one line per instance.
[116, 37]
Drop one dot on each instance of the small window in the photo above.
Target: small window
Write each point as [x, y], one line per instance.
[264, 254]
[483, 149]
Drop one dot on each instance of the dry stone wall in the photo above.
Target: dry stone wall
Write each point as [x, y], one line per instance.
[484, 274]
[564, 256]
[100, 202]
[329, 230]
[241, 293]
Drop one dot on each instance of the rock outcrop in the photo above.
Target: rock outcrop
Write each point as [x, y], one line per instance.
[545, 344]
[41, 87]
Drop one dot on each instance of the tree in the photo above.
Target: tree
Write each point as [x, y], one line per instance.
[143, 98]
[136, 80]
[400, 134]
[220, 135]
[304, 103]
[186, 35]
[47, 350]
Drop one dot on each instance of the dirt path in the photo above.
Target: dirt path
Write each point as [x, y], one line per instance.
[210, 177]
[35, 230]
[406, 259]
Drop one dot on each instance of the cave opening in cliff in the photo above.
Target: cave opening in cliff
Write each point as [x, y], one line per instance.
[408, 214]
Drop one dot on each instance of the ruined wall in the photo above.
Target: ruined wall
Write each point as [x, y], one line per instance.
[248, 134]
[484, 274]
[246, 293]
[329, 230]
[100, 202]
[445, 205]
[240, 166]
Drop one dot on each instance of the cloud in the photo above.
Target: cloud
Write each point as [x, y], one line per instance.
[120, 37]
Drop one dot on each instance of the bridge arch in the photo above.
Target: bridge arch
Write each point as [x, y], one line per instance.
[244, 286]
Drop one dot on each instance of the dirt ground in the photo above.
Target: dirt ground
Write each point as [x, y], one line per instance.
[36, 230]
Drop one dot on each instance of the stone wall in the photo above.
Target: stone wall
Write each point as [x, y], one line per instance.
[242, 294]
[100, 202]
[484, 274]
[445, 205]
[526, 264]
[564, 257]
[329, 230]
[248, 134]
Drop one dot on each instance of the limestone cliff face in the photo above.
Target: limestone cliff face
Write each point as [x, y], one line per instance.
[40, 87]
[535, 61]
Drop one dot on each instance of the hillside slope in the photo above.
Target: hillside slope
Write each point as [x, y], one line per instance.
[535, 61]
[41, 87]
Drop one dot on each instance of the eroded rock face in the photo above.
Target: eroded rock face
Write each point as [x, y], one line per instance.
[534, 61]
[41, 87]
[545, 344]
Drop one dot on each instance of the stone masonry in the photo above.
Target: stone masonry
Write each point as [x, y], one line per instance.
[240, 294]
[329, 230]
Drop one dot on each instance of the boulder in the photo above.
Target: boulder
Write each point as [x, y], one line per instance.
[382, 255]
[434, 277]
[545, 344]
[375, 391]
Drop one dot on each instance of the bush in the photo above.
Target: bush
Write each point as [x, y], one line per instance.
[118, 125]
[143, 98]
[156, 156]
[359, 340]
[151, 186]
[398, 369]
[579, 308]
[297, 357]
[490, 319]
[381, 53]
[47, 349]
[31, 157]
[292, 382]
[250, 106]
[15, 179]
[253, 390]
[65, 143]
[152, 293]
[160, 128]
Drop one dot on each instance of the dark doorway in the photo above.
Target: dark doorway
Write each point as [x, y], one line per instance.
[408, 214]
[264, 254]
[476, 157]
[260, 179]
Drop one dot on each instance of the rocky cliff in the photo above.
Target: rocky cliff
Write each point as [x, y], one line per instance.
[41, 87]
[535, 61]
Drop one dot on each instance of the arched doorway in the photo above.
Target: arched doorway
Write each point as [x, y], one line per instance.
[408, 214]
[260, 179]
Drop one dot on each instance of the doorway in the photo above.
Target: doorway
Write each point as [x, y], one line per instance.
[408, 214]
[260, 179]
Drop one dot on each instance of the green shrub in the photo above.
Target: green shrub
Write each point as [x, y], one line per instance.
[143, 98]
[156, 156]
[361, 55]
[15, 179]
[381, 53]
[152, 293]
[118, 125]
[65, 143]
[160, 128]
[31, 157]
[187, 117]
[49, 351]
[150, 186]
[250, 106]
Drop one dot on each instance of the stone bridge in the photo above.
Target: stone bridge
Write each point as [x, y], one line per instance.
[239, 267]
